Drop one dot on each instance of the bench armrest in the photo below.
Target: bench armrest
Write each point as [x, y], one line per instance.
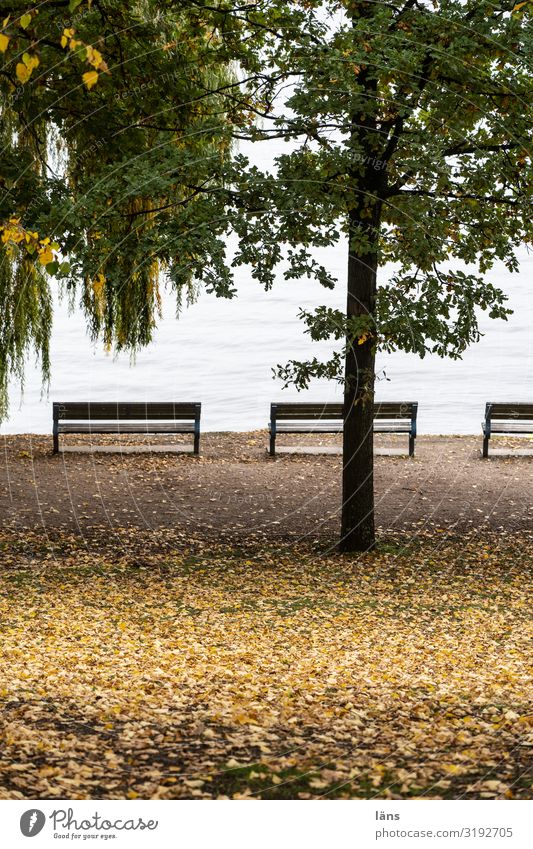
[273, 419]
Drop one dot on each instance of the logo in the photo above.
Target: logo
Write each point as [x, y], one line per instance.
[32, 822]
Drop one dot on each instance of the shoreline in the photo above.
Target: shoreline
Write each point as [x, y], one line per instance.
[420, 434]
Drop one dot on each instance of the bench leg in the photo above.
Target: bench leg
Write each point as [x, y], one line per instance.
[272, 444]
[56, 443]
[196, 443]
[411, 446]
[486, 446]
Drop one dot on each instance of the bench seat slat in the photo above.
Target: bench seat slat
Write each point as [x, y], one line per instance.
[313, 427]
[126, 427]
[511, 427]
[392, 427]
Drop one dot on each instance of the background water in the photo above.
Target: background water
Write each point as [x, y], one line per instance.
[222, 352]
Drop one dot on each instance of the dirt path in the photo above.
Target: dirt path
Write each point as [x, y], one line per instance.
[235, 492]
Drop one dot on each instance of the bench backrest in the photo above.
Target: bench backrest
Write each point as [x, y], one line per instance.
[507, 411]
[306, 410]
[126, 411]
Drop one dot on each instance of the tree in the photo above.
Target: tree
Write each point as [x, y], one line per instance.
[412, 129]
[111, 123]
[411, 124]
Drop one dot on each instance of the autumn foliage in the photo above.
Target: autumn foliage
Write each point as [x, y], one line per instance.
[271, 674]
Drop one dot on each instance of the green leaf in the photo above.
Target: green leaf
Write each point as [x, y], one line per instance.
[52, 268]
[73, 5]
[25, 21]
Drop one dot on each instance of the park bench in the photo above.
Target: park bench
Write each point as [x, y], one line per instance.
[389, 417]
[506, 419]
[126, 417]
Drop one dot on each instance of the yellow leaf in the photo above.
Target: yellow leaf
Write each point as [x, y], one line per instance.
[90, 79]
[318, 784]
[94, 57]
[4, 41]
[23, 73]
[25, 21]
[45, 256]
[31, 62]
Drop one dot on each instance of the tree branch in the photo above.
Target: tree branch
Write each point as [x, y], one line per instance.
[465, 196]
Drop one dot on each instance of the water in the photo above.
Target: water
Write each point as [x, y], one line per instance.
[221, 353]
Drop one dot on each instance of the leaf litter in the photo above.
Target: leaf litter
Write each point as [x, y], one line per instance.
[153, 666]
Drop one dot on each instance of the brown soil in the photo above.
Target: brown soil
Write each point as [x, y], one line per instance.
[234, 492]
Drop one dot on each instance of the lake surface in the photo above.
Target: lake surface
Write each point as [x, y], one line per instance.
[221, 353]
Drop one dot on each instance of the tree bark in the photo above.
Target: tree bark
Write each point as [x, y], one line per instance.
[358, 526]
[364, 216]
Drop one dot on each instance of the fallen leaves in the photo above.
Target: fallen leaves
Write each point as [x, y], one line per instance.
[158, 674]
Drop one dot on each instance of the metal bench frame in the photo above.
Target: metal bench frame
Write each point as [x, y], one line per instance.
[509, 418]
[126, 417]
[297, 417]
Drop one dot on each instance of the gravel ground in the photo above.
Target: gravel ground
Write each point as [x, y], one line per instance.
[234, 491]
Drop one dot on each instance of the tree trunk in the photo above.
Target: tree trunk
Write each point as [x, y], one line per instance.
[357, 527]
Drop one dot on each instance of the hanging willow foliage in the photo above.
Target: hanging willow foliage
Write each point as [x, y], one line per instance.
[114, 137]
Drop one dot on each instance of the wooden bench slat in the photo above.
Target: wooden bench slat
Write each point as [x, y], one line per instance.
[392, 427]
[125, 427]
[510, 427]
[99, 410]
[305, 410]
[510, 410]
[313, 427]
